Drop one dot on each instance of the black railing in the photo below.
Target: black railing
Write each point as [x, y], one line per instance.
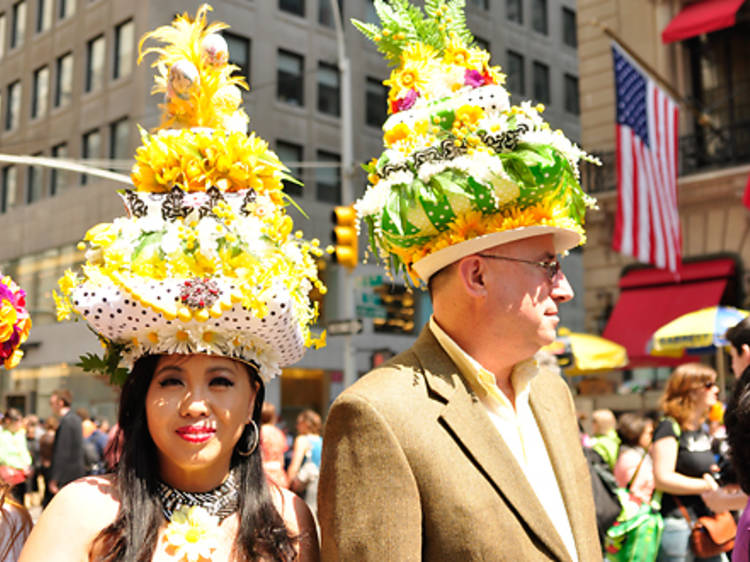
[703, 150]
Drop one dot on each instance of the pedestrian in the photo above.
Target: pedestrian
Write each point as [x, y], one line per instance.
[683, 461]
[15, 525]
[215, 306]
[46, 450]
[273, 445]
[67, 451]
[15, 460]
[635, 433]
[606, 441]
[304, 470]
[462, 447]
[737, 421]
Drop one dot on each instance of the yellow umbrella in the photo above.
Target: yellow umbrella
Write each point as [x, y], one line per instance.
[580, 354]
[698, 332]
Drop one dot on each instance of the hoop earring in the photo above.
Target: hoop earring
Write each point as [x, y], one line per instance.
[251, 442]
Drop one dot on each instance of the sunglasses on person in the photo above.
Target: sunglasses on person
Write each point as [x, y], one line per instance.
[551, 266]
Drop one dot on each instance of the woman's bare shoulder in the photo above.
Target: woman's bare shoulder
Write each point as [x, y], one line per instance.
[298, 520]
[74, 517]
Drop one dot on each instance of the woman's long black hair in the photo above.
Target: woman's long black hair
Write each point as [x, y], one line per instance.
[133, 534]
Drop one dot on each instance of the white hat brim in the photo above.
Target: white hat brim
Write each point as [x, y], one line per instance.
[565, 239]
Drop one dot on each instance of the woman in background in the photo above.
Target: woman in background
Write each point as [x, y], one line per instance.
[273, 444]
[683, 460]
[635, 433]
[304, 468]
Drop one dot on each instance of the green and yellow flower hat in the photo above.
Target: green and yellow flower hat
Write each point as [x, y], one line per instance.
[463, 170]
[206, 260]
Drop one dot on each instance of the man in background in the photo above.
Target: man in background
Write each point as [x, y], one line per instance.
[67, 450]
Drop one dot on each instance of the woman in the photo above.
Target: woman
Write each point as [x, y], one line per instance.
[203, 290]
[682, 456]
[635, 434]
[15, 459]
[305, 464]
[273, 444]
[737, 421]
[46, 448]
[189, 426]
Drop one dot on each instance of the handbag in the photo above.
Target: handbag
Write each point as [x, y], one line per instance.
[12, 476]
[636, 535]
[710, 535]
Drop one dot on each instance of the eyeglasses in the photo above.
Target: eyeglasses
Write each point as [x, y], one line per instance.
[551, 266]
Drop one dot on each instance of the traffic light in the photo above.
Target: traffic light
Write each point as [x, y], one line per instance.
[344, 236]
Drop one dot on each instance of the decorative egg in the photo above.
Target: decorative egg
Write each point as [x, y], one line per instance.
[182, 80]
[214, 50]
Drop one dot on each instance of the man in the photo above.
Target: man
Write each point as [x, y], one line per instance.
[606, 441]
[463, 447]
[67, 450]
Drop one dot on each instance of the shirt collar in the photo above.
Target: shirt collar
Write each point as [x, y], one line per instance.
[480, 379]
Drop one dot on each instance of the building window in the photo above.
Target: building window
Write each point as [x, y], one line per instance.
[90, 149]
[539, 16]
[289, 152]
[514, 11]
[9, 188]
[34, 183]
[325, 12]
[58, 179]
[290, 78]
[482, 43]
[40, 92]
[328, 179]
[570, 32]
[66, 8]
[239, 53]
[95, 53]
[123, 49]
[18, 24]
[119, 140]
[2, 34]
[296, 7]
[572, 101]
[483, 4]
[516, 80]
[328, 89]
[63, 79]
[376, 102]
[371, 15]
[44, 10]
[13, 107]
[541, 83]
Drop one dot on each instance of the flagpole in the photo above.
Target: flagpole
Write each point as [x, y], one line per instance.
[703, 118]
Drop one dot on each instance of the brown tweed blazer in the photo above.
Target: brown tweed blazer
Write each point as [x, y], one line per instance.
[413, 469]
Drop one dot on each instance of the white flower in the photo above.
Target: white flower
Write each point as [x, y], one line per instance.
[170, 242]
[192, 534]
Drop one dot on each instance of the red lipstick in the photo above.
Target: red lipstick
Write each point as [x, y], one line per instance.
[195, 433]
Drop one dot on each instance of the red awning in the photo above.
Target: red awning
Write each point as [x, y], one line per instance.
[699, 17]
[650, 298]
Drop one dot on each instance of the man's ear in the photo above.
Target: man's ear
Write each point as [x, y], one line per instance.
[745, 352]
[471, 272]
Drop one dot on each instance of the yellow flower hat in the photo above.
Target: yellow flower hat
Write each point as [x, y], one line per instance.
[462, 169]
[206, 261]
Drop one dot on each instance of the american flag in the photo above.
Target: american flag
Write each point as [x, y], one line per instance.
[647, 225]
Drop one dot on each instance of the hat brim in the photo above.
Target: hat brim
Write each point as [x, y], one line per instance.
[565, 239]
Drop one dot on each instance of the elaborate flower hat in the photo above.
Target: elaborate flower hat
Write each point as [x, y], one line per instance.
[205, 260]
[462, 169]
[15, 322]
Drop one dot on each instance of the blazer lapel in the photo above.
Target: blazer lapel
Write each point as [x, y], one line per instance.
[546, 413]
[466, 419]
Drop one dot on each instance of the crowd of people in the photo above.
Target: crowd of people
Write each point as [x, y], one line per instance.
[686, 461]
[463, 447]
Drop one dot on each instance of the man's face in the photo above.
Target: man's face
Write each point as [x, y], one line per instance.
[54, 403]
[523, 298]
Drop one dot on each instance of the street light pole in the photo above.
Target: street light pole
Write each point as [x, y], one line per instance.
[345, 277]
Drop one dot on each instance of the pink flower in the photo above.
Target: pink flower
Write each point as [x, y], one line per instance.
[405, 102]
[473, 78]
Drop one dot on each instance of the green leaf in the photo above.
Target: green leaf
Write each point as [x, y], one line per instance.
[147, 239]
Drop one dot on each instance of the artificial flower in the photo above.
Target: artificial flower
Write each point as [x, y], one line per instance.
[192, 534]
